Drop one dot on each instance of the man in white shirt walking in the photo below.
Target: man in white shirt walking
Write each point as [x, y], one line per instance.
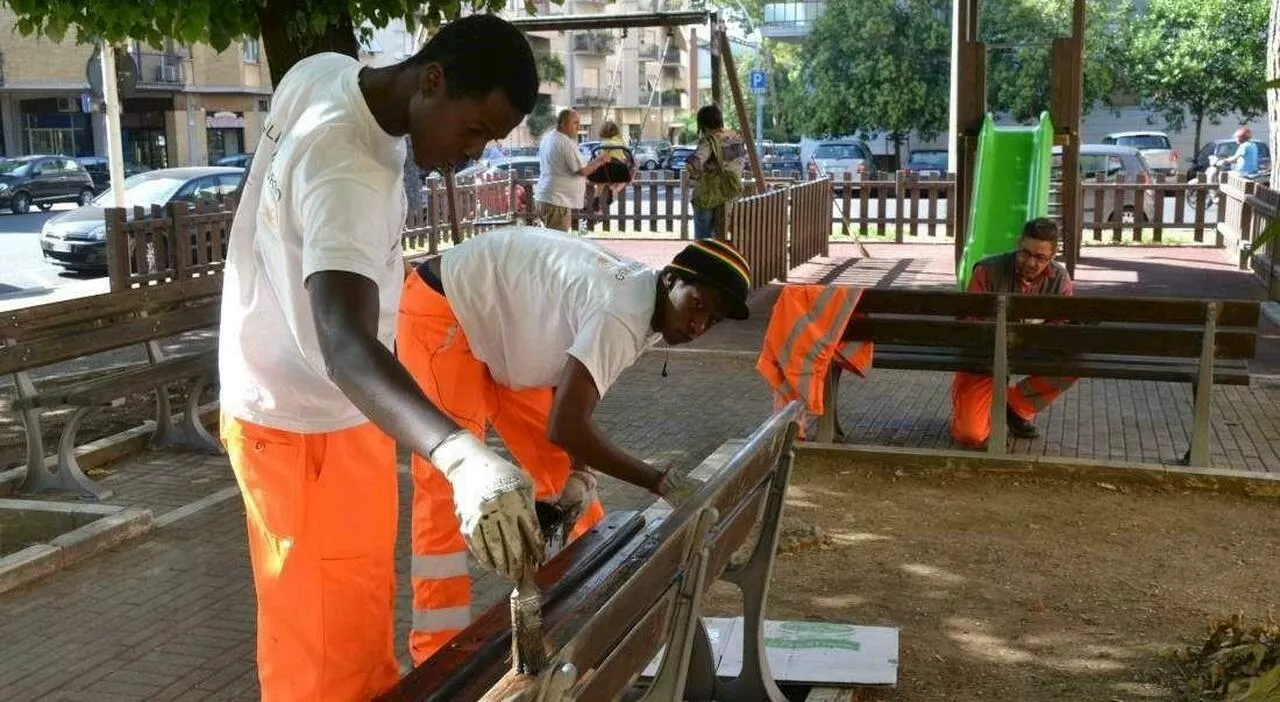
[313, 399]
[526, 328]
[562, 178]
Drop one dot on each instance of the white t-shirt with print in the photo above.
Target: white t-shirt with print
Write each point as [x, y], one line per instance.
[325, 193]
[558, 181]
[527, 296]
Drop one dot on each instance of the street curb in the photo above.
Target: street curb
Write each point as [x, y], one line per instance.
[105, 450]
[116, 525]
[962, 464]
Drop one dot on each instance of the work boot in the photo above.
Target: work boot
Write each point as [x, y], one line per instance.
[1020, 428]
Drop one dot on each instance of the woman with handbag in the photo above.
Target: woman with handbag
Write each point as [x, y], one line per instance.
[716, 166]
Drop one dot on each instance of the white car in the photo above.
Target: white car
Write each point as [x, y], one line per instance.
[1154, 146]
[836, 158]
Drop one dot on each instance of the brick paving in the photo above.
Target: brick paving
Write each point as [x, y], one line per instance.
[170, 616]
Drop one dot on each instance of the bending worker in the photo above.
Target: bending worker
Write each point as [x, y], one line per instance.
[313, 399]
[525, 328]
[1027, 270]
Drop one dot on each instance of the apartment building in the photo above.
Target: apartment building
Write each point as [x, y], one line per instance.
[189, 105]
[640, 79]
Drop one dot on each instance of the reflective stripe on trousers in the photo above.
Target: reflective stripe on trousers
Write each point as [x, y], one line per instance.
[435, 350]
[971, 402]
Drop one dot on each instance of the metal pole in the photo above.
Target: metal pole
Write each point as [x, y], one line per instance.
[953, 119]
[191, 131]
[760, 115]
[111, 100]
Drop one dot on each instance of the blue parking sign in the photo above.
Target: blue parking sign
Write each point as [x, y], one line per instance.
[758, 81]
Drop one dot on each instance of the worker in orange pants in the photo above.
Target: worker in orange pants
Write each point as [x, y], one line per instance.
[1029, 269]
[971, 405]
[558, 320]
[313, 399]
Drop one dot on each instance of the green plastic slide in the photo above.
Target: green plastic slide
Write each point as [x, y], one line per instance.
[1010, 186]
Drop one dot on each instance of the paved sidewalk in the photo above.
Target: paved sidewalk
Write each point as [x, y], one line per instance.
[170, 616]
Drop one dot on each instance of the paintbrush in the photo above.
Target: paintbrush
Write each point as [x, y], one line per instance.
[528, 657]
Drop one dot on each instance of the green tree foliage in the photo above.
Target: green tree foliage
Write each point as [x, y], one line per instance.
[1202, 59]
[290, 29]
[876, 66]
[1019, 32]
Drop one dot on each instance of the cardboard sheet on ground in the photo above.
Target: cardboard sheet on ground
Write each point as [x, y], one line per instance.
[807, 652]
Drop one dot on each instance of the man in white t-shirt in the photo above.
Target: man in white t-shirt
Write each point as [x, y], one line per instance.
[525, 328]
[313, 398]
[562, 176]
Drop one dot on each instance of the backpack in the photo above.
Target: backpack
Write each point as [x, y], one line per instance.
[717, 184]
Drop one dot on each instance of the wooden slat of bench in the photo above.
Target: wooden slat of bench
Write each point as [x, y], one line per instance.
[892, 329]
[40, 320]
[1185, 341]
[1226, 371]
[111, 386]
[1235, 313]
[926, 302]
[43, 352]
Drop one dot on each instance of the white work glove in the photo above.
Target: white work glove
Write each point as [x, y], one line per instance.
[578, 494]
[676, 489]
[494, 502]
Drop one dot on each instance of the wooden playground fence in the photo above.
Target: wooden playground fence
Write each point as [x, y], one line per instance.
[1248, 209]
[141, 248]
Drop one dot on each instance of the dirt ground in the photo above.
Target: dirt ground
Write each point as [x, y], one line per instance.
[1008, 588]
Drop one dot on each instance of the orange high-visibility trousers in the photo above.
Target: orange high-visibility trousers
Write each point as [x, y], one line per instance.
[971, 402]
[433, 347]
[321, 512]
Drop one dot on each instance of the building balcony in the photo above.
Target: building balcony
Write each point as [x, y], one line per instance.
[590, 97]
[663, 98]
[160, 70]
[652, 52]
[595, 43]
[790, 20]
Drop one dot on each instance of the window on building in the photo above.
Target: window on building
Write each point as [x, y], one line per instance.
[224, 142]
[249, 49]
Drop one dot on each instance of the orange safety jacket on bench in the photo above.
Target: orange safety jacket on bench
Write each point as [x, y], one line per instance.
[804, 338]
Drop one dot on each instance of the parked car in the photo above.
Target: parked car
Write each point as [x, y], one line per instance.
[1222, 148]
[1124, 164]
[656, 152]
[236, 161]
[76, 240]
[836, 158]
[927, 164]
[43, 181]
[1155, 148]
[522, 151]
[99, 171]
[677, 158]
[524, 169]
[782, 160]
[648, 156]
[586, 148]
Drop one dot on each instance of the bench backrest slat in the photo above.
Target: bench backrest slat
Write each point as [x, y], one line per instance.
[1142, 310]
[65, 347]
[1150, 327]
[102, 310]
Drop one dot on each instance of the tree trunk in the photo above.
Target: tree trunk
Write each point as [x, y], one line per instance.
[284, 46]
[1273, 95]
[1199, 129]
[412, 179]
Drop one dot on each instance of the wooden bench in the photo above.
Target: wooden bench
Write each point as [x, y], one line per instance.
[614, 597]
[1162, 339]
[37, 337]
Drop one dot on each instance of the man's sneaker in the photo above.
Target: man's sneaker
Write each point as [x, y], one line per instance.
[1020, 428]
